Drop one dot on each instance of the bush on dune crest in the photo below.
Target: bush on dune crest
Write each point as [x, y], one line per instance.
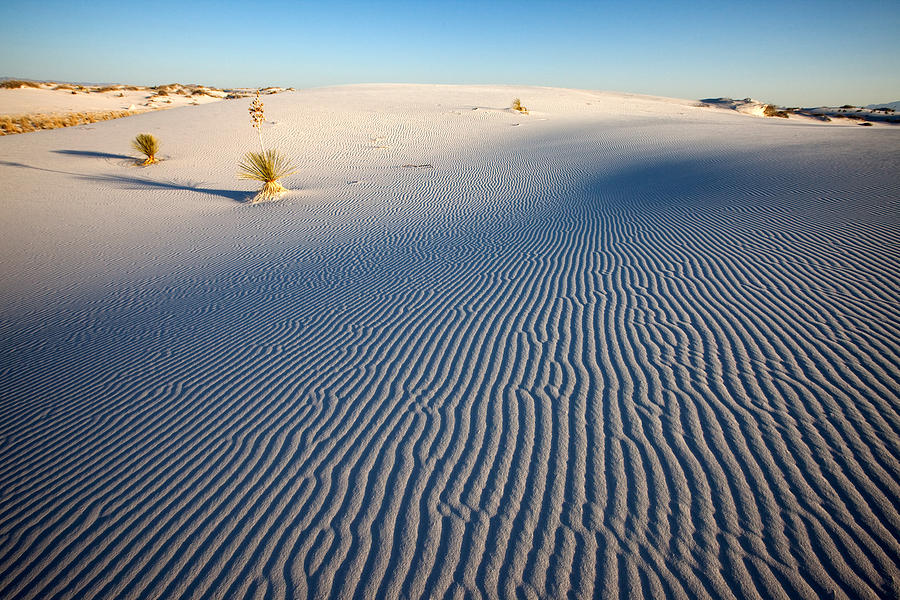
[517, 106]
[12, 84]
[771, 111]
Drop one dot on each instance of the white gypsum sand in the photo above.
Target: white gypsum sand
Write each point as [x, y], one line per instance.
[619, 346]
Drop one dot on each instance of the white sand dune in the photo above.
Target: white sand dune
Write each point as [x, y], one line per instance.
[622, 346]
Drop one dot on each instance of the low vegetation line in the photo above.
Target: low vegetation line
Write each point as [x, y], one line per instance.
[11, 124]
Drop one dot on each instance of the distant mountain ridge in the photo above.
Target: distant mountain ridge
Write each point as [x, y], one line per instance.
[894, 105]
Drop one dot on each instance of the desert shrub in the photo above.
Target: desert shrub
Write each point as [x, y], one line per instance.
[148, 145]
[517, 105]
[162, 93]
[64, 86]
[107, 88]
[771, 111]
[848, 106]
[12, 84]
[268, 167]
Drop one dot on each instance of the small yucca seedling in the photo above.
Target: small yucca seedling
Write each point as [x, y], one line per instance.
[148, 145]
[268, 166]
[517, 105]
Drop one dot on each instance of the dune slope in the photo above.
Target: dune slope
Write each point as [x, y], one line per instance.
[621, 346]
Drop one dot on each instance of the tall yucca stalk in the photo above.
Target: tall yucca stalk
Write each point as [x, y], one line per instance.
[257, 118]
[148, 145]
[267, 166]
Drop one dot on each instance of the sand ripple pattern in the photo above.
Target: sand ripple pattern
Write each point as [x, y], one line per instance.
[678, 377]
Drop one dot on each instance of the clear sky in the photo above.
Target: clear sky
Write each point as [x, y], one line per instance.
[790, 53]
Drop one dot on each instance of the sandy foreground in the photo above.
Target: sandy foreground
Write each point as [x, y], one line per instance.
[621, 346]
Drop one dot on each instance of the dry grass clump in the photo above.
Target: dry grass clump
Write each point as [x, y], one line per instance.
[107, 88]
[148, 145]
[268, 167]
[12, 84]
[517, 106]
[10, 124]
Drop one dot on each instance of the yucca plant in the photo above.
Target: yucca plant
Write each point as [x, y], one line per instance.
[267, 166]
[517, 105]
[148, 145]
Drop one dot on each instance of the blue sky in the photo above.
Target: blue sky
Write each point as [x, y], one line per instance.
[800, 53]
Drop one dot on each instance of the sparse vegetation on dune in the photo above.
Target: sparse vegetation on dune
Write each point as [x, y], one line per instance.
[12, 84]
[161, 96]
[771, 111]
[517, 106]
[148, 145]
[10, 124]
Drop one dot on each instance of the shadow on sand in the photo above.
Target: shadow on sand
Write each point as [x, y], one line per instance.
[136, 183]
[90, 154]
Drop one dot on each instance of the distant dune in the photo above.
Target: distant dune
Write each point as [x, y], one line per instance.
[839, 115]
[621, 346]
[27, 106]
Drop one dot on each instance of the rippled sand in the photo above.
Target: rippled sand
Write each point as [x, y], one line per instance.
[621, 346]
